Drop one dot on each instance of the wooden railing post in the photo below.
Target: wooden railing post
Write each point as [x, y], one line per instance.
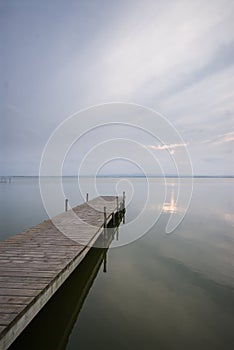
[66, 204]
[104, 225]
[104, 216]
[113, 219]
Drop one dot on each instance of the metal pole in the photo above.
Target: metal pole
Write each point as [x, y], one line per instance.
[66, 204]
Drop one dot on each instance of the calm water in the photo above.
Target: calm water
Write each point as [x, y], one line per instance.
[160, 292]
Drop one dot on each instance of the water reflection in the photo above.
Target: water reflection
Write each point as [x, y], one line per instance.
[171, 206]
[229, 217]
[51, 328]
[163, 292]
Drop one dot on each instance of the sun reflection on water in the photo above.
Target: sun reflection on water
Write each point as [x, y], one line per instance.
[171, 206]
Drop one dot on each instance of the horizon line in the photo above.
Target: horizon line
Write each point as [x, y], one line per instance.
[125, 175]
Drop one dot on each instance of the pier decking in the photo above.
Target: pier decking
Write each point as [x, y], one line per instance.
[36, 262]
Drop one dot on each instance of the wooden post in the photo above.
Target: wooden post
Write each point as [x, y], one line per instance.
[104, 225]
[66, 204]
[117, 234]
[104, 216]
[124, 217]
[87, 197]
[113, 219]
[105, 262]
[123, 200]
[117, 212]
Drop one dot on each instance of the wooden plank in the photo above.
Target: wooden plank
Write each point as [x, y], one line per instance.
[18, 292]
[32, 267]
[18, 263]
[4, 299]
[45, 259]
[5, 319]
[11, 308]
[27, 279]
[10, 256]
[24, 285]
[36, 262]
[46, 251]
[23, 274]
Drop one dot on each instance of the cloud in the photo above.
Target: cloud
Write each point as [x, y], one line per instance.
[208, 97]
[221, 139]
[174, 56]
[167, 147]
[157, 46]
[228, 137]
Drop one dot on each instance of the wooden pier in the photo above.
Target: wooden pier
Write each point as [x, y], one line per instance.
[36, 262]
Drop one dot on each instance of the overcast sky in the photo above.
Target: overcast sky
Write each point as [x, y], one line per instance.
[176, 57]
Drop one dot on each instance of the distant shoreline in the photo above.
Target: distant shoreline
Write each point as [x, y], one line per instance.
[126, 176]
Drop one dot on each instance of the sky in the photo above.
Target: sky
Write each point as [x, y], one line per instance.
[175, 57]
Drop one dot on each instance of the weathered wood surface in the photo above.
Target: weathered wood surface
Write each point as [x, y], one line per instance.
[35, 263]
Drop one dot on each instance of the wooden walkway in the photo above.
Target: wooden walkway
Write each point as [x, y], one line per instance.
[36, 262]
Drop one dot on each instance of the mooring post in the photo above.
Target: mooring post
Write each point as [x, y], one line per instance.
[104, 225]
[117, 202]
[105, 216]
[113, 219]
[66, 204]
[123, 200]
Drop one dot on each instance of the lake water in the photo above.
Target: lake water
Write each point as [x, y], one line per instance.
[162, 291]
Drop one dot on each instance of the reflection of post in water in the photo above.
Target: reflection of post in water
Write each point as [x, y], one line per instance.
[51, 328]
[124, 216]
[105, 262]
[109, 232]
